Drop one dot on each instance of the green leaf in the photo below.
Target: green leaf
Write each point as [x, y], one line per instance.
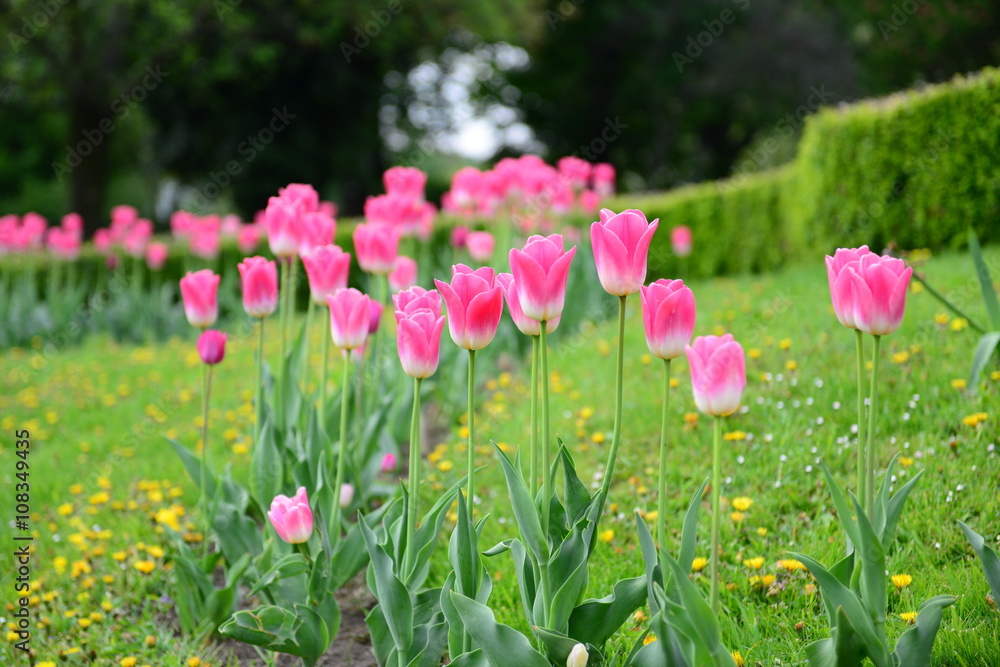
[595, 621]
[524, 570]
[987, 557]
[838, 595]
[287, 566]
[266, 470]
[873, 584]
[389, 591]
[426, 537]
[568, 575]
[277, 629]
[558, 646]
[696, 619]
[844, 510]
[577, 495]
[913, 648]
[192, 464]
[985, 281]
[525, 511]
[502, 644]
[843, 647]
[689, 533]
[650, 556]
[894, 510]
[472, 659]
[984, 351]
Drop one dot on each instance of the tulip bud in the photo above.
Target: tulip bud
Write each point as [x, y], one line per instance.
[212, 346]
[291, 517]
[578, 656]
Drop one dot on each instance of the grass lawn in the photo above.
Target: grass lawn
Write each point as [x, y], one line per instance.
[103, 477]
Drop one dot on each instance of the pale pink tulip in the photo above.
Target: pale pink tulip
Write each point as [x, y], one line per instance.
[718, 374]
[408, 182]
[404, 275]
[525, 324]
[603, 178]
[260, 286]
[327, 267]
[291, 517]
[350, 318]
[156, 255]
[540, 271]
[418, 339]
[388, 463]
[879, 285]
[681, 240]
[668, 314]
[283, 221]
[621, 248]
[475, 304]
[416, 298]
[480, 245]
[376, 247]
[302, 195]
[199, 291]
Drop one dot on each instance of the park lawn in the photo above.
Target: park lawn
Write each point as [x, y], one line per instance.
[102, 475]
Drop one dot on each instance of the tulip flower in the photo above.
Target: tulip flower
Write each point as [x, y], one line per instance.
[459, 236]
[350, 318]
[578, 656]
[718, 376]
[575, 170]
[346, 496]
[317, 229]
[327, 267]
[199, 291]
[404, 274]
[212, 346]
[880, 285]
[302, 195]
[540, 271]
[282, 218]
[480, 245]
[156, 256]
[681, 240]
[374, 316]
[603, 177]
[621, 247]
[419, 340]
[291, 517]
[247, 238]
[376, 247]
[388, 463]
[414, 299]
[407, 182]
[260, 286]
[668, 314]
[842, 281]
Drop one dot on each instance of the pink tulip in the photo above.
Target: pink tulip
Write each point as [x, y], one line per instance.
[879, 286]
[718, 373]
[475, 304]
[302, 195]
[260, 286]
[63, 244]
[525, 324]
[123, 215]
[540, 272]
[459, 236]
[374, 316]
[350, 318]
[575, 170]
[621, 247]
[211, 346]
[247, 238]
[102, 241]
[346, 495]
[317, 229]
[199, 291]
[416, 298]
[73, 223]
[404, 274]
[589, 201]
[668, 313]
[418, 338]
[327, 267]
[842, 283]
[408, 182]
[204, 243]
[156, 255]
[388, 463]
[603, 177]
[480, 245]
[376, 247]
[681, 240]
[291, 517]
[282, 219]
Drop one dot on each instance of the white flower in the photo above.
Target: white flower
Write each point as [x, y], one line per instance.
[578, 656]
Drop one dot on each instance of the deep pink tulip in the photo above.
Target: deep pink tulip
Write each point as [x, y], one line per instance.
[205, 243]
[247, 238]
[73, 223]
[62, 243]
[388, 463]
[374, 316]
[418, 338]
[459, 235]
[156, 255]
[681, 240]
[842, 283]
[376, 247]
[291, 517]
[404, 275]
[211, 346]
[525, 324]
[603, 177]
[327, 267]
[575, 170]
[199, 291]
[480, 245]
[408, 182]
[621, 247]
[317, 229]
[589, 201]
[416, 298]
[302, 195]
[540, 272]
[668, 314]
[283, 221]
[718, 373]
[475, 304]
[350, 318]
[879, 285]
[260, 286]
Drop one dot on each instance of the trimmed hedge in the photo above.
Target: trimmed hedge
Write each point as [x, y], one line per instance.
[917, 168]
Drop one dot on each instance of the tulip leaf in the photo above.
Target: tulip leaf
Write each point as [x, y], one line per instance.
[840, 596]
[689, 532]
[894, 510]
[873, 585]
[526, 579]
[471, 659]
[389, 590]
[558, 647]
[985, 281]
[192, 464]
[696, 619]
[266, 469]
[844, 510]
[502, 644]
[843, 646]
[524, 510]
[984, 352]
[426, 537]
[299, 633]
[287, 566]
[577, 495]
[987, 557]
[594, 621]
[654, 574]
[913, 648]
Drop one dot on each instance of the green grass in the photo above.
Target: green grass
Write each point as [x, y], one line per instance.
[97, 414]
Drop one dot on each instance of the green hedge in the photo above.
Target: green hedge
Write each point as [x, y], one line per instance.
[916, 168]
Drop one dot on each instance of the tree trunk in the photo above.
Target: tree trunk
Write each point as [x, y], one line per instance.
[87, 149]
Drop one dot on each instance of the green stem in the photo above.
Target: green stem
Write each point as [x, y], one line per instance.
[716, 511]
[471, 479]
[862, 488]
[259, 407]
[533, 453]
[616, 437]
[414, 479]
[661, 508]
[546, 445]
[342, 455]
[283, 320]
[872, 416]
[949, 305]
[324, 379]
[207, 376]
[305, 342]
[292, 279]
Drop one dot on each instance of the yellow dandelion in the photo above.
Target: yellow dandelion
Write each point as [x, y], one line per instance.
[742, 503]
[445, 466]
[958, 324]
[791, 565]
[901, 357]
[738, 659]
[958, 383]
[598, 437]
[698, 564]
[754, 353]
[901, 581]
[674, 383]
[168, 517]
[65, 509]
[737, 516]
[144, 566]
[809, 589]
[905, 461]
[194, 662]
[785, 344]
[150, 641]
[76, 489]
[650, 638]
[909, 617]
[754, 563]
[99, 498]
[791, 364]
[607, 535]
[735, 435]
[762, 531]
